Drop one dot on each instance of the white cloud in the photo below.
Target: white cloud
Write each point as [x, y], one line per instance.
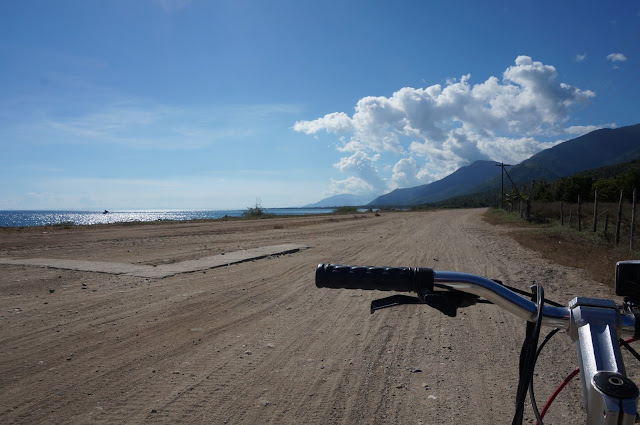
[351, 146]
[332, 123]
[405, 173]
[363, 166]
[507, 119]
[581, 57]
[463, 148]
[616, 57]
[579, 130]
[352, 185]
[513, 150]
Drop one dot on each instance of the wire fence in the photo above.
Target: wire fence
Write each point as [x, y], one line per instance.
[614, 221]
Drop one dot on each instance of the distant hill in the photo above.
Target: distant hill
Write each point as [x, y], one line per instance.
[602, 147]
[593, 150]
[596, 149]
[343, 200]
[609, 180]
[459, 182]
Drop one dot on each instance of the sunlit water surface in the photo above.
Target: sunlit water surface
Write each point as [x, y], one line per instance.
[45, 218]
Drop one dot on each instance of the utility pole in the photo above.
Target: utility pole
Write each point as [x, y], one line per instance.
[502, 165]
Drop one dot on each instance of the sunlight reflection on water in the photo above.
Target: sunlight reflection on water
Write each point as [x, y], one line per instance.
[44, 218]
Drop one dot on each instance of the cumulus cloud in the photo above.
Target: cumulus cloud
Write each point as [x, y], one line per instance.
[362, 165]
[581, 57]
[515, 150]
[336, 122]
[405, 173]
[437, 129]
[352, 185]
[579, 130]
[616, 57]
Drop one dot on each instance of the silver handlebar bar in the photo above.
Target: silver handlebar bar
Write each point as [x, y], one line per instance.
[558, 317]
[610, 397]
[595, 325]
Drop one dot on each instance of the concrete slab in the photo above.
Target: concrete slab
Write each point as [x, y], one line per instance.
[161, 271]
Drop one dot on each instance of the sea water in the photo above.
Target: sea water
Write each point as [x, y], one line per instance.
[45, 218]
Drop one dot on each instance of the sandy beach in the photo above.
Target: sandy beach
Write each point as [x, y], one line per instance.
[254, 341]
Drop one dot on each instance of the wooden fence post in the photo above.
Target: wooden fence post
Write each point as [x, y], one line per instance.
[570, 218]
[617, 240]
[579, 214]
[561, 214]
[520, 207]
[513, 199]
[633, 218]
[606, 223]
[595, 210]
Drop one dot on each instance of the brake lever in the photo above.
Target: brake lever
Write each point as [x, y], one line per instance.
[392, 301]
[445, 302]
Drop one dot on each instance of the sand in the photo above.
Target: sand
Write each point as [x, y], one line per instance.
[255, 341]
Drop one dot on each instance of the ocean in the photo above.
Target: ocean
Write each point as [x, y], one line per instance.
[45, 218]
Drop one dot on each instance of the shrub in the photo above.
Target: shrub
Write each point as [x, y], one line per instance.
[256, 211]
[346, 210]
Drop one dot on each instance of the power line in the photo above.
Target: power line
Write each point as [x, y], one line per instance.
[502, 165]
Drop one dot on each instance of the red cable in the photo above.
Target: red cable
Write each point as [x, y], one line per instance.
[564, 384]
[557, 391]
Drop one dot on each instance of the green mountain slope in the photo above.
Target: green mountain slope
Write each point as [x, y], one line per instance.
[457, 183]
[596, 149]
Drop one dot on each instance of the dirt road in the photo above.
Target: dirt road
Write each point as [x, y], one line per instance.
[256, 342]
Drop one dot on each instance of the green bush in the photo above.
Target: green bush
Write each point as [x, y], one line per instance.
[255, 211]
[346, 210]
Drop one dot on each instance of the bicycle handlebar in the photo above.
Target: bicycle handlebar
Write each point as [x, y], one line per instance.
[490, 290]
[415, 279]
[593, 324]
[400, 279]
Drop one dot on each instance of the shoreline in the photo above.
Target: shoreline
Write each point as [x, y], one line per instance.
[179, 223]
[54, 218]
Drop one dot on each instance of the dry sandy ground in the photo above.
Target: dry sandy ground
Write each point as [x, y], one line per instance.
[256, 342]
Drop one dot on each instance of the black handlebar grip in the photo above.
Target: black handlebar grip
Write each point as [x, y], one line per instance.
[401, 279]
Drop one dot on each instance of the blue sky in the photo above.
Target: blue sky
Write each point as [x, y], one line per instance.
[178, 104]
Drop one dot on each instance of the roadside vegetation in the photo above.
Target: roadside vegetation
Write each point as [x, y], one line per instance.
[609, 180]
[256, 211]
[596, 252]
[346, 210]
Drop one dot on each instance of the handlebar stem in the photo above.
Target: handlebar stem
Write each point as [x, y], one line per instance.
[595, 325]
[609, 396]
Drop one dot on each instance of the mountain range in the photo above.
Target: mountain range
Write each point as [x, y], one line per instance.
[595, 149]
[341, 200]
[463, 180]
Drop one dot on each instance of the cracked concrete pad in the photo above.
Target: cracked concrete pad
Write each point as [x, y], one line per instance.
[158, 272]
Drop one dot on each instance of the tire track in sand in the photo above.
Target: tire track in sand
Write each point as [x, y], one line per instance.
[317, 356]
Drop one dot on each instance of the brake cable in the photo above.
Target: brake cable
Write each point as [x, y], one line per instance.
[528, 355]
[623, 342]
[532, 396]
